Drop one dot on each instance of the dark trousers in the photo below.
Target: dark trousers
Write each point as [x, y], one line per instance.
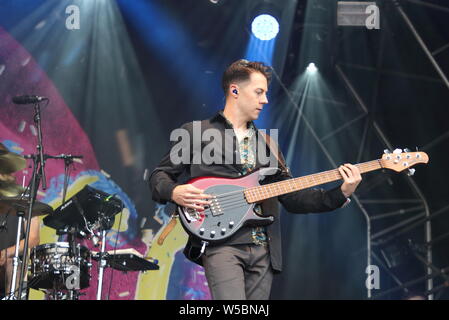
[238, 272]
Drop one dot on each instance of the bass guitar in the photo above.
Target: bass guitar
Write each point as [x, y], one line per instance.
[233, 199]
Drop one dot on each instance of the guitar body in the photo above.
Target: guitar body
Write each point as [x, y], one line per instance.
[228, 212]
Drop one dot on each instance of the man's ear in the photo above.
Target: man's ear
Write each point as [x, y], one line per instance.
[233, 90]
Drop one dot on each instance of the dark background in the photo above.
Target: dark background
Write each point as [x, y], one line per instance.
[146, 67]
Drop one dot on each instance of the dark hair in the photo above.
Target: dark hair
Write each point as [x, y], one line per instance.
[241, 70]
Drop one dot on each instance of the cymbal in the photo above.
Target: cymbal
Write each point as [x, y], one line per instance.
[9, 161]
[10, 189]
[14, 204]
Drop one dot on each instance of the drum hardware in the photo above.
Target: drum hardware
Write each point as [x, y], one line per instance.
[9, 163]
[127, 262]
[17, 206]
[88, 213]
[68, 161]
[42, 208]
[13, 201]
[38, 176]
[10, 203]
[53, 264]
[102, 264]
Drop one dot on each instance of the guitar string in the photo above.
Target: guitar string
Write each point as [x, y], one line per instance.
[233, 196]
[226, 197]
[235, 206]
[333, 173]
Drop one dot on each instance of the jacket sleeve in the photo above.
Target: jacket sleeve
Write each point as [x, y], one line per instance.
[311, 200]
[164, 177]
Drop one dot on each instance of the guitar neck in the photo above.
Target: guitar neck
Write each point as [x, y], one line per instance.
[275, 189]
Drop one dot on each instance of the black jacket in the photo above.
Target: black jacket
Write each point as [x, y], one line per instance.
[167, 175]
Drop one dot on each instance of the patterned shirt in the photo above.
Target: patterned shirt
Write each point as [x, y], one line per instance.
[247, 149]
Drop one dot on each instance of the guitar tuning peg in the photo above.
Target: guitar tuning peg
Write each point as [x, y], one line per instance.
[411, 172]
[407, 150]
[386, 151]
[397, 151]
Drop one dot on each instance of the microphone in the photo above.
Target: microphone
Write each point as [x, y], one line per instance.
[26, 99]
[63, 156]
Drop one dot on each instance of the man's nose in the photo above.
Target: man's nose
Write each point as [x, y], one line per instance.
[264, 100]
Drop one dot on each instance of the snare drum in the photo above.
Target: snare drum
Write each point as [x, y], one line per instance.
[53, 263]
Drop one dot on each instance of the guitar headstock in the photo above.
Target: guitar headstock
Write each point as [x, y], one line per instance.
[400, 160]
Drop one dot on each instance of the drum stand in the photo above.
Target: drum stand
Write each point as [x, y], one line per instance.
[102, 264]
[106, 224]
[74, 251]
[38, 174]
[12, 293]
[73, 294]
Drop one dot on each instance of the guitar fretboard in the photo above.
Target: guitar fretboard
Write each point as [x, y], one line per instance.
[275, 189]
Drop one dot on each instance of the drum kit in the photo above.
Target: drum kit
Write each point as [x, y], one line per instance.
[60, 269]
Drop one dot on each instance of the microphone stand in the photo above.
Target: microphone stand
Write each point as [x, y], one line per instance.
[38, 175]
[68, 160]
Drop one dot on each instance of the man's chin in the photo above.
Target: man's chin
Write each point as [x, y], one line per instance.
[255, 116]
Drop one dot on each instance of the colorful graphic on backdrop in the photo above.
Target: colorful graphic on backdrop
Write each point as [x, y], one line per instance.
[62, 134]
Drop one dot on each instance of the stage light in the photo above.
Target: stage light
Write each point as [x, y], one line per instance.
[217, 3]
[311, 68]
[265, 27]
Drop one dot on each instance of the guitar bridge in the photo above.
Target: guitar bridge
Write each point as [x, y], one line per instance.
[191, 214]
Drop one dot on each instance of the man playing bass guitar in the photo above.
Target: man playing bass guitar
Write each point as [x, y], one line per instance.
[242, 265]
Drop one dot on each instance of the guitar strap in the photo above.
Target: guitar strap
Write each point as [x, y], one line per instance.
[167, 229]
[274, 149]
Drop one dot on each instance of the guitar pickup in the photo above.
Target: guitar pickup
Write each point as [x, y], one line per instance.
[215, 208]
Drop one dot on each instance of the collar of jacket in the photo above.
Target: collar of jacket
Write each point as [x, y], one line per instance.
[221, 118]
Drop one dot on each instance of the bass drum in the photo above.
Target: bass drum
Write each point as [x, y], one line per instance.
[55, 266]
